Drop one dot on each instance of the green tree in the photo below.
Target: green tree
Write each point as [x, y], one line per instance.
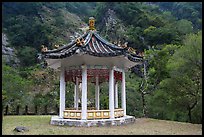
[184, 26]
[191, 11]
[134, 96]
[154, 71]
[15, 88]
[163, 35]
[185, 83]
[27, 56]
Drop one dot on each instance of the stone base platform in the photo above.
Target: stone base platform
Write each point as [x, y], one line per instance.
[56, 120]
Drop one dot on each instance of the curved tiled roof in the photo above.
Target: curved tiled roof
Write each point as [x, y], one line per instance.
[92, 44]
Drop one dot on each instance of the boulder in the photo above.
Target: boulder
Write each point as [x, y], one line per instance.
[21, 129]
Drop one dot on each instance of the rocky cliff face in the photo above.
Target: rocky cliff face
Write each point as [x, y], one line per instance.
[115, 29]
[8, 53]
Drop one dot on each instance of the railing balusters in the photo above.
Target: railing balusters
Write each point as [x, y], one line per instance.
[92, 114]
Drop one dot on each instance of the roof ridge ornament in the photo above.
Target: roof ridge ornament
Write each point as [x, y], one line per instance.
[124, 45]
[80, 41]
[132, 50]
[91, 23]
[56, 46]
[44, 49]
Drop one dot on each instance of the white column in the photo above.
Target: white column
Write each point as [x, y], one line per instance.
[111, 93]
[76, 94]
[97, 94]
[62, 92]
[116, 94]
[84, 92]
[123, 92]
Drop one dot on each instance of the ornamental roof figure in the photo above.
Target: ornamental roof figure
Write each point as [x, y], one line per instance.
[90, 45]
[91, 23]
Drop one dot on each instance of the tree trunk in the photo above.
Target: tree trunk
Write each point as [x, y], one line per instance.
[189, 115]
[36, 109]
[143, 105]
[45, 109]
[57, 109]
[26, 110]
[17, 110]
[190, 108]
[7, 110]
[142, 93]
[2, 117]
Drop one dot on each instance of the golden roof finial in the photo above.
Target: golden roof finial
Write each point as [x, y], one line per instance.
[91, 23]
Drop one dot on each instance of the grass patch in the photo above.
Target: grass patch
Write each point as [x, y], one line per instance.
[40, 125]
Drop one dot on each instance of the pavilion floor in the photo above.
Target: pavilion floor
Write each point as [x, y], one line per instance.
[56, 120]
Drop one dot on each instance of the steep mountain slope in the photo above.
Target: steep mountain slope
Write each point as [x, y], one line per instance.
[35, 24]
[141, 24]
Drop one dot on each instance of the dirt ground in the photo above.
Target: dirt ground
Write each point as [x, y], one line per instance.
[39, 125]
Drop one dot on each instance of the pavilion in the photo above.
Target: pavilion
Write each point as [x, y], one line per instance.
[90, 58]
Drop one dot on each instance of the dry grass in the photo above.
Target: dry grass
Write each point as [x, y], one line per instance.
[39, 125]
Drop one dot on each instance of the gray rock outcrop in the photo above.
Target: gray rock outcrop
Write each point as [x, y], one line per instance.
[8, 53]
[115, 30]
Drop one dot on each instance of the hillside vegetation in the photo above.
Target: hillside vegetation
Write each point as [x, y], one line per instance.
[168, 85]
